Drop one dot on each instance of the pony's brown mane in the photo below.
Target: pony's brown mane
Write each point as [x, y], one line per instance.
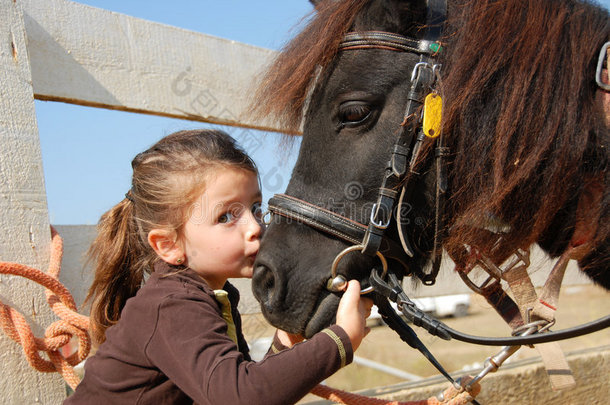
[523, 123]
[285, 86]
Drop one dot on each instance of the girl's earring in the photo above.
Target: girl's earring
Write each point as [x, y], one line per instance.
[180, 260]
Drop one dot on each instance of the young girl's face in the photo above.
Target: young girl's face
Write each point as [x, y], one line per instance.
[222, 235]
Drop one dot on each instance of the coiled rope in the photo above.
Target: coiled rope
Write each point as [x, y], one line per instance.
[451, 396]
[72, 324]
[59, 333]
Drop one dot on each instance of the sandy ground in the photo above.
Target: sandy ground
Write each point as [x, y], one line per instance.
[578, 304]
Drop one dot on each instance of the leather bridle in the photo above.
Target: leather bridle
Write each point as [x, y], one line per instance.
[370, 239]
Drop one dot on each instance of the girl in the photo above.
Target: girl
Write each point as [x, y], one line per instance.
[192, 220]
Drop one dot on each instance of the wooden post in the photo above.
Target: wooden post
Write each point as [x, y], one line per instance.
[25, 234]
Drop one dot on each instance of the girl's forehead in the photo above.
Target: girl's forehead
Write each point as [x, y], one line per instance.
[232, 184]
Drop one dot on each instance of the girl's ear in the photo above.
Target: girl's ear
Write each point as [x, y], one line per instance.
[165, 245]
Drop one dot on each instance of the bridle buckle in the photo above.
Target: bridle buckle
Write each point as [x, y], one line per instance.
[379, 224]
[435, 68]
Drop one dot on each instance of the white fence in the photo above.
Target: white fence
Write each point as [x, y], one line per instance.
[62, 51]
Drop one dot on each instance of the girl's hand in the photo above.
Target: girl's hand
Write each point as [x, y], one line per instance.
[352, 313]
[288, 339]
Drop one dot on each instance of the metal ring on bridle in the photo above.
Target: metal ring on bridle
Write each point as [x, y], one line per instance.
[600, 67]
[341, 278]
[266, 217]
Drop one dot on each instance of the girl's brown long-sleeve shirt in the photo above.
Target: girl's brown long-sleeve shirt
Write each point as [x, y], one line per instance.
[173, 346]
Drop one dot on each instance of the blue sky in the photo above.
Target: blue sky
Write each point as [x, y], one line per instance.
[87, 151]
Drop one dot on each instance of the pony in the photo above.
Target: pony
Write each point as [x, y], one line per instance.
[524, 151]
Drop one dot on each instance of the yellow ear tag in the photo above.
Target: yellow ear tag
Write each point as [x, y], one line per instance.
[433, 112]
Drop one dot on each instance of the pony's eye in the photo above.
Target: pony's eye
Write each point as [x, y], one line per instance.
[353, 113]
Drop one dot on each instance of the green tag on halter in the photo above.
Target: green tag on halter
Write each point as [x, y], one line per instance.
[433, 112]
[435, 47]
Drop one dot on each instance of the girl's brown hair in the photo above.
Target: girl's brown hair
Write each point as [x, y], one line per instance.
[167, 179]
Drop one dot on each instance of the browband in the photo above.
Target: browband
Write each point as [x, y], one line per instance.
[387, 40]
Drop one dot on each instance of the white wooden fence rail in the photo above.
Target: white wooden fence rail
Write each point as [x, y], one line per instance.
[62, 51]
[89, 56]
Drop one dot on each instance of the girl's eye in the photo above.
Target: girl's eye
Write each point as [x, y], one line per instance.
[226, 218]
[353, 113]
[257, 210]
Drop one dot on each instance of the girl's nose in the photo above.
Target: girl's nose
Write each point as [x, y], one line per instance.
[254, 228]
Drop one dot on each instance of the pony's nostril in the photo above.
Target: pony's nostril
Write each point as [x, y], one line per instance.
[268, 281]
[263, 285]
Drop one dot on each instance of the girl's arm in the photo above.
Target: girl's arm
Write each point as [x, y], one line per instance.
[200, 358]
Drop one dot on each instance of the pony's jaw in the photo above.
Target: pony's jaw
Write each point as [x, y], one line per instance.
[323, 316]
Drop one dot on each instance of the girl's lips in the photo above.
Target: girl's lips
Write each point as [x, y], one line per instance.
[252, 256]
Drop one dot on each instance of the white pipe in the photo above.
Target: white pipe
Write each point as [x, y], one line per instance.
[386, 369]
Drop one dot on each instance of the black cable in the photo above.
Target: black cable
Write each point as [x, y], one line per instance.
[395, 293]
[545, 337]
[408, 335]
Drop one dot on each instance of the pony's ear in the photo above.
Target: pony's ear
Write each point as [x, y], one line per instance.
[315, 2]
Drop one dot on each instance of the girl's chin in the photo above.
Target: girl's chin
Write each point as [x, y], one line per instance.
[247, 272]
[249, 267]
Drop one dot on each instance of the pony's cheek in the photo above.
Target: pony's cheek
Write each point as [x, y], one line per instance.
[606, 101]
[606, 97]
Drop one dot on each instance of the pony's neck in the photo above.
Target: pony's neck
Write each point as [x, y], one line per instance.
[587, 217]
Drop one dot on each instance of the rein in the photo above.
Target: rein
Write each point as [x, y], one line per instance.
[394, 292]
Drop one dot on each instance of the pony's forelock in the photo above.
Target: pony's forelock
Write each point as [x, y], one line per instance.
[284, 88]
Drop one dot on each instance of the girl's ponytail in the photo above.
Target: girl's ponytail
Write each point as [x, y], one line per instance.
[119, 269]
